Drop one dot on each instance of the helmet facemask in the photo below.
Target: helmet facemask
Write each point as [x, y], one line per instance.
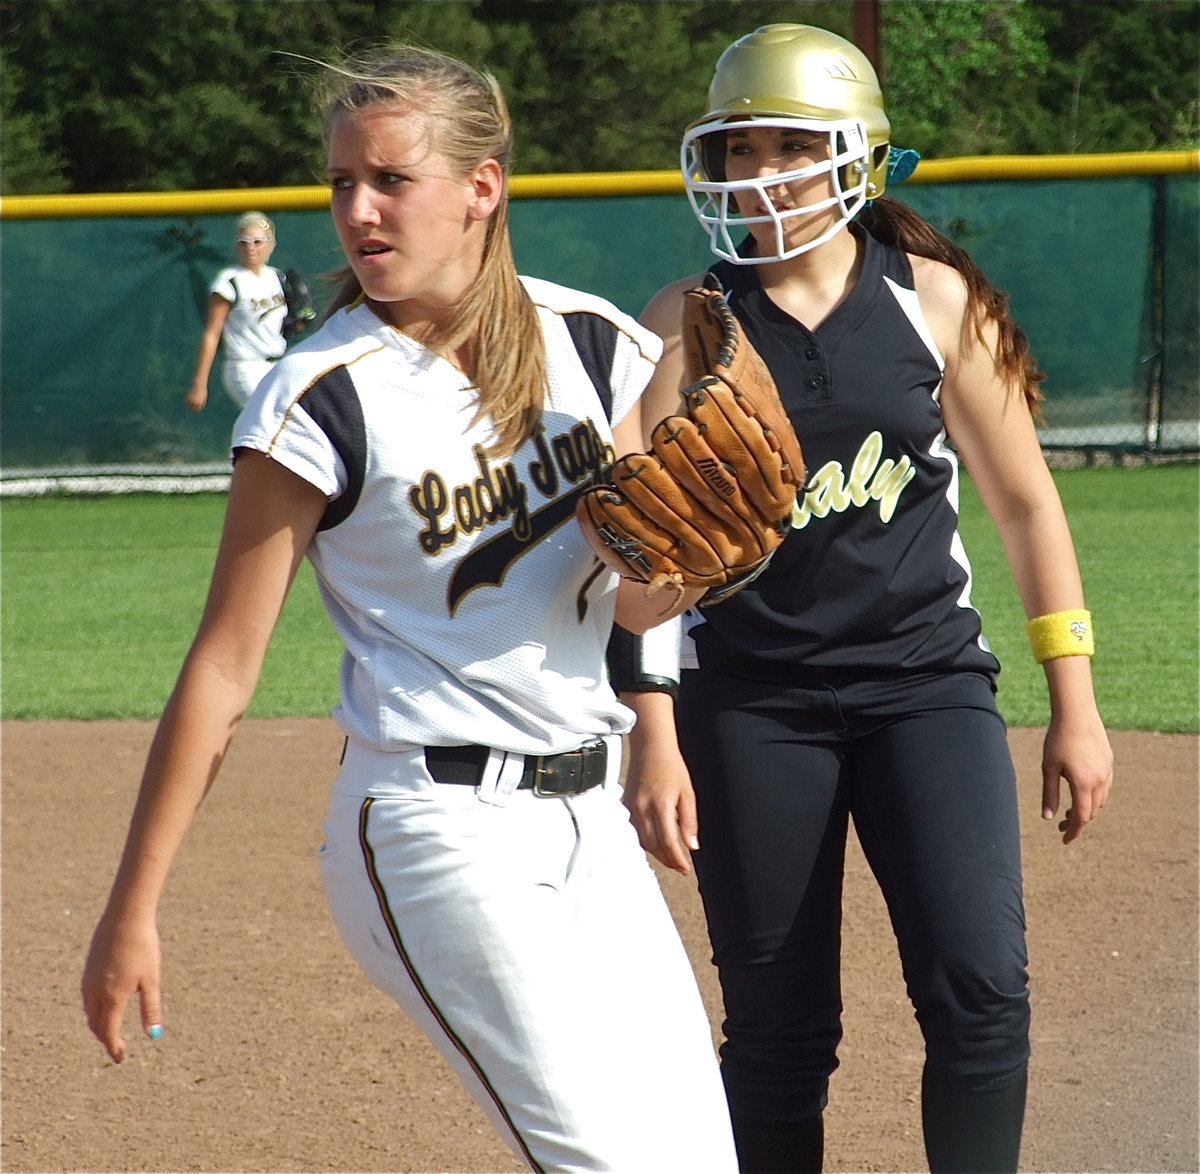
[788, 76]
[713, 197]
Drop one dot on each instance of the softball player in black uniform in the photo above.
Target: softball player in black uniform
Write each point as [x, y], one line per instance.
[852, 679]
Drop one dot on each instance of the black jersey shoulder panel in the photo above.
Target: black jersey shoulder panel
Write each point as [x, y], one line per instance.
[595, 338]
[333, 403]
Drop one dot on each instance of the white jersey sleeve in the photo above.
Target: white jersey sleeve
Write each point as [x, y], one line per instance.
[254, 328]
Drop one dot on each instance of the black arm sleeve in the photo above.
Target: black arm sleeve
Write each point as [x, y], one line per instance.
[645, 664]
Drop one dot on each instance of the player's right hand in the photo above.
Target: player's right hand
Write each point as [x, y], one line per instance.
[124, 959]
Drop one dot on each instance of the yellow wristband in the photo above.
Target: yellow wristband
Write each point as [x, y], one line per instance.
[1061, 633]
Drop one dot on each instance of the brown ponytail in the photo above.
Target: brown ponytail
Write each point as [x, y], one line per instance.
[895, 223]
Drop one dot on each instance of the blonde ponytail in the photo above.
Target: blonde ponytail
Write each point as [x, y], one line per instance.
[496, 322]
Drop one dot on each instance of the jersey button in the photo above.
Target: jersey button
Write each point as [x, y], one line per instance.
[816, 382]
[812, 353]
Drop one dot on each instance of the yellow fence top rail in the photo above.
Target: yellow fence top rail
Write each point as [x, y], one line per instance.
[583, 185]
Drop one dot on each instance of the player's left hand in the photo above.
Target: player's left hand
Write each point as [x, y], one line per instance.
[1077, 750]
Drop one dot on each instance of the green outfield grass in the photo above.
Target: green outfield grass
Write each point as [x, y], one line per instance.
[100, 600]
[1137, 538]
[101, 596]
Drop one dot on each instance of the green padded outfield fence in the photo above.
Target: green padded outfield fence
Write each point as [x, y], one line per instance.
[102, 297]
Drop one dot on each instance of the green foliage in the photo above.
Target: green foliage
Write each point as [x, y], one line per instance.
[160, 95]
[589, 74]
[1044, 77]
[28, 163]
[102, 596]
[955, 74]
[1123, 76]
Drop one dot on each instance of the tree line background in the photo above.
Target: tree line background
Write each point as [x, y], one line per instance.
[172, 95]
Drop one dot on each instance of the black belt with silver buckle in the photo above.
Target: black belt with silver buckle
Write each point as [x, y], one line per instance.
[570, 773]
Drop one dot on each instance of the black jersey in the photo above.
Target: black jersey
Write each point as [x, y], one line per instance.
[873, 577]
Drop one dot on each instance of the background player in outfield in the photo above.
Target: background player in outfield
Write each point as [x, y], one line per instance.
[852, 680]
[245, 313]
[425, 449]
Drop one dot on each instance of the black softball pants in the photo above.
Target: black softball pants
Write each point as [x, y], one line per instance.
[922, 766]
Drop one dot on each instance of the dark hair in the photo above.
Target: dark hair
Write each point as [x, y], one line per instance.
[895, 223]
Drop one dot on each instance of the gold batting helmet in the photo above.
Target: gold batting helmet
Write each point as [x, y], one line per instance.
[789, 76]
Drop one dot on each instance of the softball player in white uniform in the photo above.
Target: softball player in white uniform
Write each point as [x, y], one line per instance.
[525, 933]
[478, 860]
[253, 334]
[245, 313]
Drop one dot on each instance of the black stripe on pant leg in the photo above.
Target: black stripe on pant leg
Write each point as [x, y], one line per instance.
[422, 990]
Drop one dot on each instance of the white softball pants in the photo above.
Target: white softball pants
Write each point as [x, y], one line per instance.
[242, 376]
[530, 941]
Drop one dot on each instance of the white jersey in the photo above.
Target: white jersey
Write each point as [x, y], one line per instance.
[471, 607]
[254, 328]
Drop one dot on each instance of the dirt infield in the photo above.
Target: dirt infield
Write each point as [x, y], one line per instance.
[279, 1056]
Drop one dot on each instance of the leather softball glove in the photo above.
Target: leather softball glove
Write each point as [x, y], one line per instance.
[711, 501]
